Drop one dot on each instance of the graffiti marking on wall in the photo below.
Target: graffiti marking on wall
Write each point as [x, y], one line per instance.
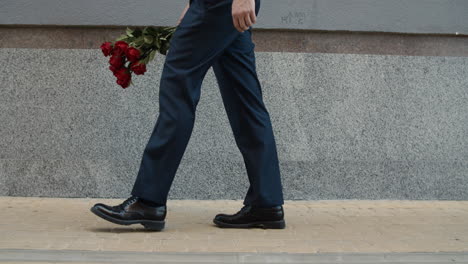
[294, 18]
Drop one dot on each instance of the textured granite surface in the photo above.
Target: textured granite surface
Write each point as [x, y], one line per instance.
[348, 126]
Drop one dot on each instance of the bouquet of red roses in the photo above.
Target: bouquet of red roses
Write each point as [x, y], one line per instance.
[131, 52]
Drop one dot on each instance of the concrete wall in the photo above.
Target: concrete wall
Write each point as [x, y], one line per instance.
[405, 16]
[348, 126]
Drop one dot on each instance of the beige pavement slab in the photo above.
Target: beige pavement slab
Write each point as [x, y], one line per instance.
[311, 227]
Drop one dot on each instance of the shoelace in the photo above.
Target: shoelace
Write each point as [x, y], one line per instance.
[128, 201]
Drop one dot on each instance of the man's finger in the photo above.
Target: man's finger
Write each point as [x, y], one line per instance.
[235, 22]
[242, 22]
[253, 17]
[248, 23]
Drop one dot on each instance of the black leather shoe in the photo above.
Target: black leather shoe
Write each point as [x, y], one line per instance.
[249, 216]
[132, 211]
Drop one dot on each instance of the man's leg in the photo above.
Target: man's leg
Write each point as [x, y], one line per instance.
[240, 88]
[202, 35]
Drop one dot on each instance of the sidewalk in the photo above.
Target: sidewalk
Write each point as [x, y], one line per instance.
[325, 226]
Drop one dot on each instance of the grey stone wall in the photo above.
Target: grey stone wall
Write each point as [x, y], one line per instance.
[347, 127]
[415, 16]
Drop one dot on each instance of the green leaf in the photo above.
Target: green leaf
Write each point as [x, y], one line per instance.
[129, 32]
[148, 39]
[139, 41]
[158, 43]
[122, 37]
[152, 54]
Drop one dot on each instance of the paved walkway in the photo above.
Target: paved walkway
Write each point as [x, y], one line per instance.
[47, 225]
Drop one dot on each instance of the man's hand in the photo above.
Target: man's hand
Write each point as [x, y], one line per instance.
[243, 14]
[183, 13]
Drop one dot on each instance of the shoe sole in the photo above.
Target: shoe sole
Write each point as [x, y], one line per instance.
[263, 224]
[148, 224]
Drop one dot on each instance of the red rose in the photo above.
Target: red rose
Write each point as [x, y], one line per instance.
[132, 54]
[117, 61]
[113, 69]
[123, 74]
[139, 68]
[123, 83]
[123, 77]
[106, 48]
[120, 47]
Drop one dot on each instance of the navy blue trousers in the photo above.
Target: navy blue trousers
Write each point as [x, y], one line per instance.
[206, 37]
